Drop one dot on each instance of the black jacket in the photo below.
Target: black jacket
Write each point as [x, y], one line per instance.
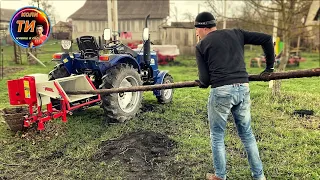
[220, 56]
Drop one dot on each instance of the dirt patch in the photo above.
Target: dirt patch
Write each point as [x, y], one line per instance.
[141, 153]
[51, 131]
[148, 107]
[14, 117]
[10, 70]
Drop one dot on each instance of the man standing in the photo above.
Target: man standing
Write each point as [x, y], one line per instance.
[220, 59]
[39, 38]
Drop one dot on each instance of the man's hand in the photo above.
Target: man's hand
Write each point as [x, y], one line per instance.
[201, 85]
[266, 72]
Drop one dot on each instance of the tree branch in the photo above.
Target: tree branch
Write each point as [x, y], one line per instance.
[262, 7]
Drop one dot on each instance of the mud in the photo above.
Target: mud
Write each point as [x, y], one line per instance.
[147, 107]
[143, 154]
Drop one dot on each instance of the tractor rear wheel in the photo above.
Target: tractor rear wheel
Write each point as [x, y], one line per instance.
[166, 94]
[120, 107]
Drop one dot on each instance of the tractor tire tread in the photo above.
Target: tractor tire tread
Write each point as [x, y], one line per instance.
[160, 98]
[109, 102]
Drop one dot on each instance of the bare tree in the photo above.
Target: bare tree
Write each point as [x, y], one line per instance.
[260, 15]
[188, 16]
[46, 6]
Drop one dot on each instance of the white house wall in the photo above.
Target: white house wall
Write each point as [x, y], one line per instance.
[95, 28]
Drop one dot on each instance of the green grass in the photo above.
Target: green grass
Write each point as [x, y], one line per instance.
[289, 145]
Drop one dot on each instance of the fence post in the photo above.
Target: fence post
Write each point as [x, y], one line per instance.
[2, 63]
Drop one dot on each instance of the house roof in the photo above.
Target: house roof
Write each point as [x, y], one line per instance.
[127, 9]
[313, 14]
[190, 25]
[187, 25]
[63, 24]
[6, 14]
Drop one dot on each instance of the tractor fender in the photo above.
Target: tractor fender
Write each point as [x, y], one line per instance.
[62, 56]
[125, 59]
[159, 80]
[65, 60]
[117, 59]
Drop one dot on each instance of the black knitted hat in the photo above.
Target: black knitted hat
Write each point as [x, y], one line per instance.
[205, 20]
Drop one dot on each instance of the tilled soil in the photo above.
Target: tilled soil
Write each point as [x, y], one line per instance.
[14, 117]
[9, 70]
[143, 154]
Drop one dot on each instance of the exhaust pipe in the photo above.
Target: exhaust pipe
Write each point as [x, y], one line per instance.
[146, 47]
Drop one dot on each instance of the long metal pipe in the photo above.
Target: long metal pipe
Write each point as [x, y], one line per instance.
[272, 76]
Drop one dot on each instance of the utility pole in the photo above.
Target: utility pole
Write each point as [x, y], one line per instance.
[198, 8]
[303, 23]
[225, 14]
[176, 9]
[113, 16]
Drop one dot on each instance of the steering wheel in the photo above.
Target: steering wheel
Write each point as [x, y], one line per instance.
[117, 43]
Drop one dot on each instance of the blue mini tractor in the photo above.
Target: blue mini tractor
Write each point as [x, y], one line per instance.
[120, 67]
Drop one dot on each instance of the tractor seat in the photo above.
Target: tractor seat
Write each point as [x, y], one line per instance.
[88, 47]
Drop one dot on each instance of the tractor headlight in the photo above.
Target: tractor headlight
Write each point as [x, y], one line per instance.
[66, 44]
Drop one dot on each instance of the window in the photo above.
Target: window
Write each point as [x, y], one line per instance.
[84, 26]
[126, 25]
[74, 28]
[90, 25]
[122, 28]
[80, 26]
[317, 17]
[136, 25]
[151, 25]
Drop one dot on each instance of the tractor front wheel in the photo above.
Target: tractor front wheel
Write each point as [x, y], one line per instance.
[120, 107]
[166, 94]
[59, 71]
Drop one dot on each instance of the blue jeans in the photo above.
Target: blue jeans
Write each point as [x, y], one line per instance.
[235, 99]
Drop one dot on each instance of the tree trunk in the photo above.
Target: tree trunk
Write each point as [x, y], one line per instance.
[283, 62]
[15, 59]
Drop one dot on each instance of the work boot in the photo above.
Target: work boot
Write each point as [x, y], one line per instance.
[212, 177]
